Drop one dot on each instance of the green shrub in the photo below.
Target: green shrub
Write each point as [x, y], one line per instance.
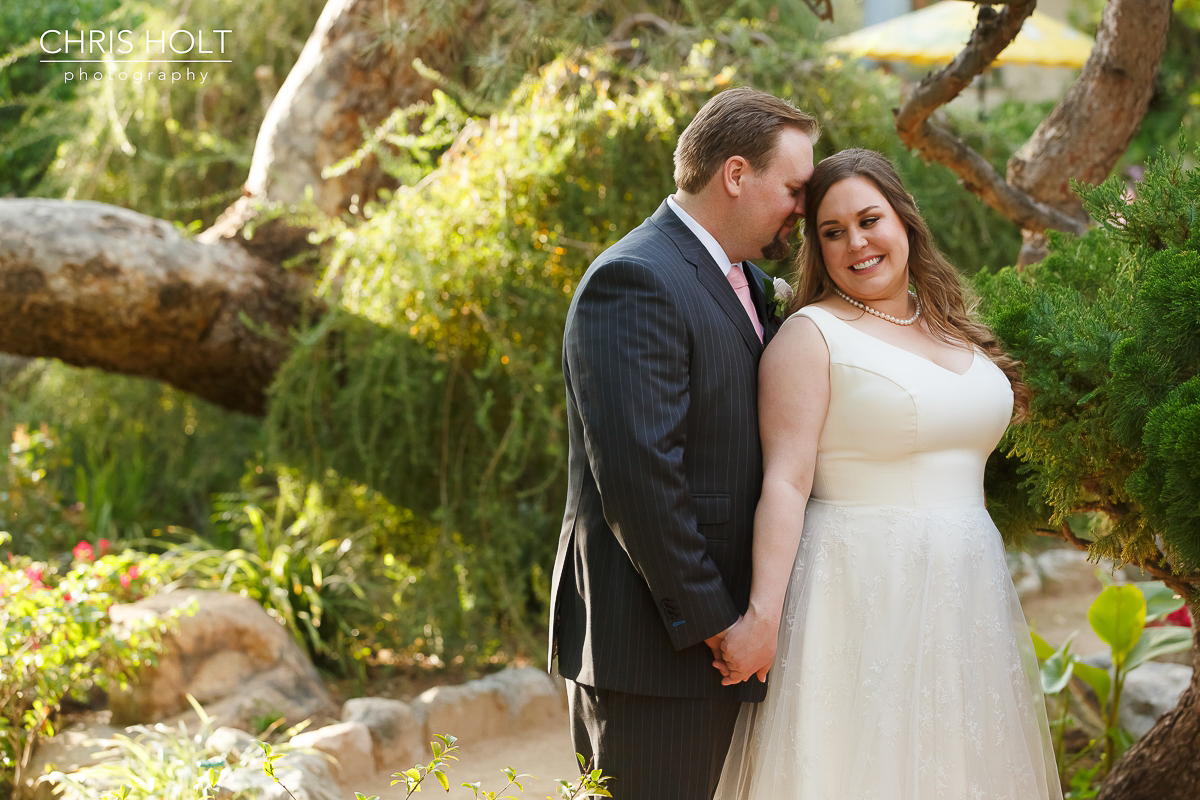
[113, 456]
[310, 554]
[57, 641]
[1108, 330]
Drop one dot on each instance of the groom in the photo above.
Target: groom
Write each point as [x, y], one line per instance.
[660, 356]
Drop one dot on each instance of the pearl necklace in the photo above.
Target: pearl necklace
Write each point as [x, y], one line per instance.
[880, 314]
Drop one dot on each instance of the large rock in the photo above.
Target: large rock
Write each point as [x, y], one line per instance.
[83, 743]
[1150, 691]
[300, 776]
[497, 704]
[348, 745]
[239, 663]
[396, 730]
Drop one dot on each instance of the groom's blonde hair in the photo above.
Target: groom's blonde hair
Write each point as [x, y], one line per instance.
[737, 122]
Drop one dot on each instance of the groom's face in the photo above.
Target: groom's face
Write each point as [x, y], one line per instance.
[774, 196]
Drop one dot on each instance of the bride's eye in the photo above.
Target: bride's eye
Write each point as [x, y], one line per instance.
[869, 222]
[831, 233]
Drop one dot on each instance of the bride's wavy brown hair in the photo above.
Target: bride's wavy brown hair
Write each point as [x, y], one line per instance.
[947, 306]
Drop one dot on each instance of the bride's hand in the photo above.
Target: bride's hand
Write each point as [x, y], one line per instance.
[749, 648]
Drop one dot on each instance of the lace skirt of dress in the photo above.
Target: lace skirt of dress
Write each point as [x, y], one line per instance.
[904, 669]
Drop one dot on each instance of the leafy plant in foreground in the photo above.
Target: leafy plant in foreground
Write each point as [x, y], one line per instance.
[1121, 616]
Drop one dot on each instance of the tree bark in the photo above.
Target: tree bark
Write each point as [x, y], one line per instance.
[355, 70]
[1095, 121]
[916, 129]
[1081, 139]
[99, 286]
[1165, 763]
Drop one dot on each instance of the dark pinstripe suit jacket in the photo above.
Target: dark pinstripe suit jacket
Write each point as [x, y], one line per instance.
[665, 466]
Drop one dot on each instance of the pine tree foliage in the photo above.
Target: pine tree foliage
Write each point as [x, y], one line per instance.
[1109, 330]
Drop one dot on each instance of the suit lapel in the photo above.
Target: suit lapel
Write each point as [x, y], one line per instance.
[710, 275]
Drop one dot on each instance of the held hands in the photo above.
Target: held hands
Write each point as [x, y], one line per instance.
[714, 644]
[747, 648]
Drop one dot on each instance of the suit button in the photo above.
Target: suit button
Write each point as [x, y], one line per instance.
[669, 610]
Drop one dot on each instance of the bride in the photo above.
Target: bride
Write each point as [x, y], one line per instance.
[901, 666]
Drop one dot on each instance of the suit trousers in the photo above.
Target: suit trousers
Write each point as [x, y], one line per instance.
[653, 748]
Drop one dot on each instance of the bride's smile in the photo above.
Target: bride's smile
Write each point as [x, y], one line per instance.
[865, 245]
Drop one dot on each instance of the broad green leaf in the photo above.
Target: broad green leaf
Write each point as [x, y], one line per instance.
[1156, 642]
[1117, 616]
[1056, 672]
[441, 778]
[1097, 679]
[1041, 648]
[1160, 599]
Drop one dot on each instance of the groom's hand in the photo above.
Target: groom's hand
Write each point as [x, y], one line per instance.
[748, 648]
[714, 643]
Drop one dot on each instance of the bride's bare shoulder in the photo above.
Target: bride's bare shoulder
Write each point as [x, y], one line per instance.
[799, 339]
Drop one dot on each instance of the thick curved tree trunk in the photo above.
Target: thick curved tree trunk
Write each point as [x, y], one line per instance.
[99, 286]
[1081, 139]
[1165, 763]
[1095, 121]
[355, 70]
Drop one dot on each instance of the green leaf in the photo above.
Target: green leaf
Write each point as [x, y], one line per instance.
[441, 778]
[1117, 616]
[1160, 599]
[1155, 642]
[1097, 680]
[1056, 671]
[1041, 648]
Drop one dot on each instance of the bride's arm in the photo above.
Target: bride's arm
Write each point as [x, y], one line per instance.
[793, 399]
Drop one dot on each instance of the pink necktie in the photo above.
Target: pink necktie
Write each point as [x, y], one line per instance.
[737, 279]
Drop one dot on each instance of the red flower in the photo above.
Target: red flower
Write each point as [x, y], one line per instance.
[102, 547]
[1180, 617]
[84, 552]
[35, 577]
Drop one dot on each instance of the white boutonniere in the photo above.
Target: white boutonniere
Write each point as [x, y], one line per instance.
[779, 294]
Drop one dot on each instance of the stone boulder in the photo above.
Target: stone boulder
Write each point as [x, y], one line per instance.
[240, 664]
[300, 776]
[396, 730]
[349, 747]
[1150, 691]
[83, 743]
[500, 703]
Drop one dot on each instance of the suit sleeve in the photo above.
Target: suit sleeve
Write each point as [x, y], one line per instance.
[627, 352]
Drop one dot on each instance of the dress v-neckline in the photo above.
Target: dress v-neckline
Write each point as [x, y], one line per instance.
[931, 362]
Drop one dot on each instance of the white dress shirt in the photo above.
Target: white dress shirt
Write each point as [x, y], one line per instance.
[710, 244]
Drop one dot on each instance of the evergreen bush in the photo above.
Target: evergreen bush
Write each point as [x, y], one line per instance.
[1108, 327]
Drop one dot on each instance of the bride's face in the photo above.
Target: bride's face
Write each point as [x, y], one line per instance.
[864, 243]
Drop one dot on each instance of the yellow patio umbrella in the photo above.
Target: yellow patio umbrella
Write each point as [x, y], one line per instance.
[937, 33]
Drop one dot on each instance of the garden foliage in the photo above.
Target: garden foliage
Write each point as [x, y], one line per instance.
[58, 642]
[1108, 329]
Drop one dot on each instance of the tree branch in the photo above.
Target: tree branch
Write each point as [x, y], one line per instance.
[100, 286]
[1184, 585]
[355, 69]
[1095, 121]
[994, 31]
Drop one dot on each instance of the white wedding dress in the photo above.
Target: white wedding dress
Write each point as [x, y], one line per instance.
[904, 669]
